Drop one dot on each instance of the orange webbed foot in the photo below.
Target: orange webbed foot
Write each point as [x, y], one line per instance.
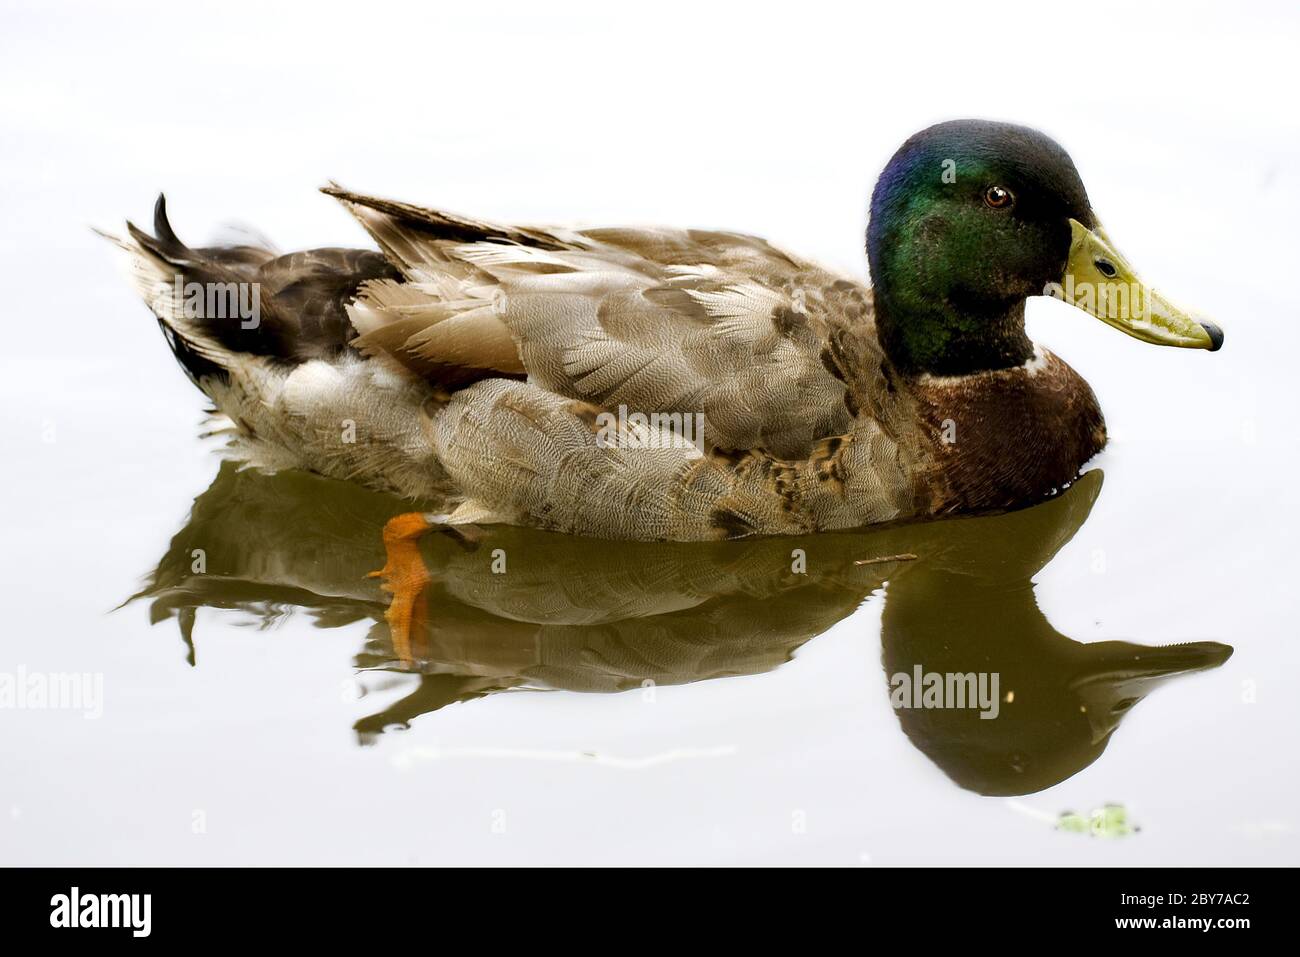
[405, 577]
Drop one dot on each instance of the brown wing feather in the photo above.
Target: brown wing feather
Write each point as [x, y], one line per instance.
[654, 320]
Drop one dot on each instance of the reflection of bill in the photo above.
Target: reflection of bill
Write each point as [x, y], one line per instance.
[599, 616]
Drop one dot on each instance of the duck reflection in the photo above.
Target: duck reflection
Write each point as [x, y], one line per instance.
[499, 608]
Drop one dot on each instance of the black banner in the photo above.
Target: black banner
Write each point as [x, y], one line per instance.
[336, 905]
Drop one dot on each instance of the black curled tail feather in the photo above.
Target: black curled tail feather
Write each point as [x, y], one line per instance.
[172, 261]
[301, 298]
[166, 245]
[163, 228]
[206, 345]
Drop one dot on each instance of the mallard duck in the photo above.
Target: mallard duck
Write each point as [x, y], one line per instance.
[666, 384]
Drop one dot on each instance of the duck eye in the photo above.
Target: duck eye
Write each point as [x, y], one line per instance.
[998, 197]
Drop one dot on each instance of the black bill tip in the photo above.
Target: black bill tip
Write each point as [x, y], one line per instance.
[1215, 334]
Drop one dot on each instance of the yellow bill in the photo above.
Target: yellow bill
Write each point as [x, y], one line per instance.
[1100, 281]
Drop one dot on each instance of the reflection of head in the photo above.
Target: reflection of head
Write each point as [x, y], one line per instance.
[972, 610]
[1066, 700]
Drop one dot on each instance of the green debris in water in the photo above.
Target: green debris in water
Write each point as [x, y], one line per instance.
[1110, 820]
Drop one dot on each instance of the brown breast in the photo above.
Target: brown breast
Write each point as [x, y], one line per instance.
[1008, 437]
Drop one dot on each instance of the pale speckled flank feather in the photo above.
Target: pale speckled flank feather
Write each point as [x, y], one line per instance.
[528, 456]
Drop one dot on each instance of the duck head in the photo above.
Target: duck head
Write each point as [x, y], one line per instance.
[968, 220]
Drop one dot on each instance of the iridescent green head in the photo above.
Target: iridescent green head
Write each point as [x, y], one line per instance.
[968, 220]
